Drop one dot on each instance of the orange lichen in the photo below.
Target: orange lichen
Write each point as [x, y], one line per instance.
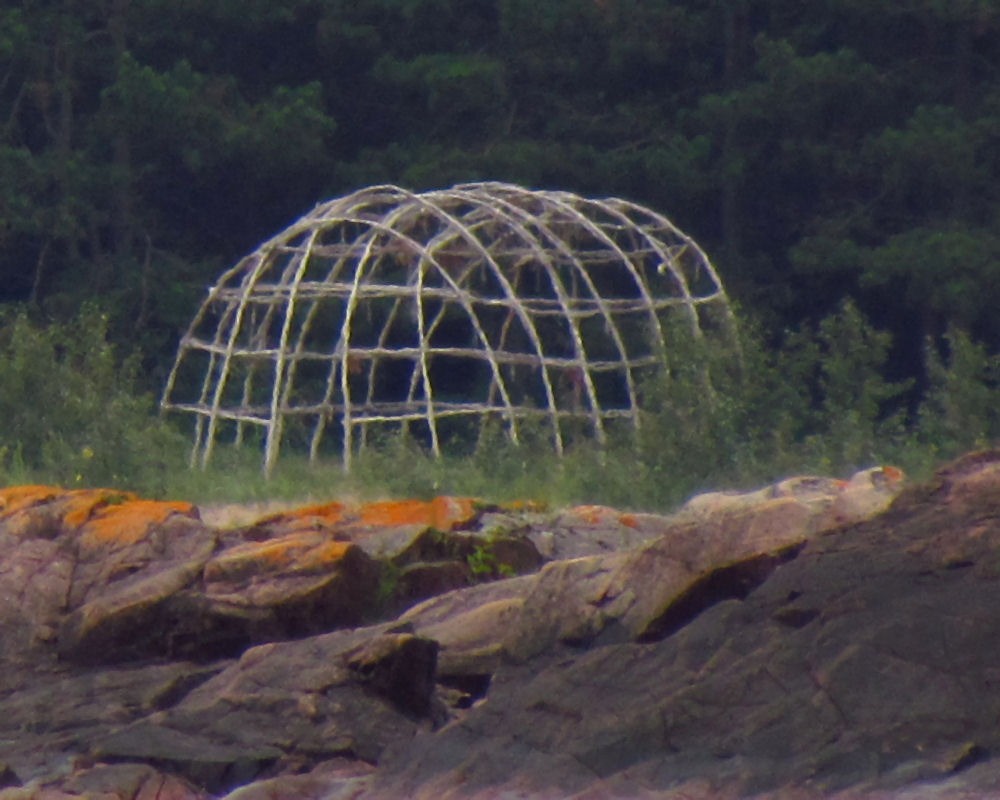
[893, 474]
[328, 513]
[82, 503]
[441, 513]
[276, 552]
[602, 515]
[301, 551]
[15, 498]
[129, 522]
[323, 555]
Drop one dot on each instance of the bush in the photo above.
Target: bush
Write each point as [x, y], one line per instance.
[722, 417]
[70, 410]
[729, 417]
[960, 409]
[857, 417]
[814, 402]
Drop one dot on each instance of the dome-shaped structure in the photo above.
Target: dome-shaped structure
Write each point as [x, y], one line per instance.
[435, 312]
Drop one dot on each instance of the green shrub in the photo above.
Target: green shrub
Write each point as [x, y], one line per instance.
[815, 401]
[723, 417]
[857, 417]
[70, 413]
[960, 410]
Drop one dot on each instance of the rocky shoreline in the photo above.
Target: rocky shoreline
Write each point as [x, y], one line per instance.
[816, 638]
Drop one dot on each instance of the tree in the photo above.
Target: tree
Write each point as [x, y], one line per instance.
[844, 148]
[134, 167]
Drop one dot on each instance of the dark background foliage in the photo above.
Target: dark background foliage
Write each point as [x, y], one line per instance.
[842, 150]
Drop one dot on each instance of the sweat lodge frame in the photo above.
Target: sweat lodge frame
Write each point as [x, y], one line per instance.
[389, 308]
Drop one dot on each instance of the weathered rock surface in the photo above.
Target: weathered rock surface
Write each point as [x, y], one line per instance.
[817, 638]
[288, 706]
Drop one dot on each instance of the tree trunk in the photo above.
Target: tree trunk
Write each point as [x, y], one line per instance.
[735, 33]
[122, 213]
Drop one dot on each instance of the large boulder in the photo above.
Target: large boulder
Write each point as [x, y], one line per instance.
[110, 782]
[817, 638]
[91, 568]
[289, 706]
[861, 665]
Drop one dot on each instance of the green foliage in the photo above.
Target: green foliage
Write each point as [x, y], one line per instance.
[484, 564]
[69, 412]
[960, 411]
[854, 415]
[816, 402]
[388, 586]
[146, 145]
[950, 270]
[722, 418]
[810, 152]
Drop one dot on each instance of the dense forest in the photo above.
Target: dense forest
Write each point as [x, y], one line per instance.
[843, 149]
